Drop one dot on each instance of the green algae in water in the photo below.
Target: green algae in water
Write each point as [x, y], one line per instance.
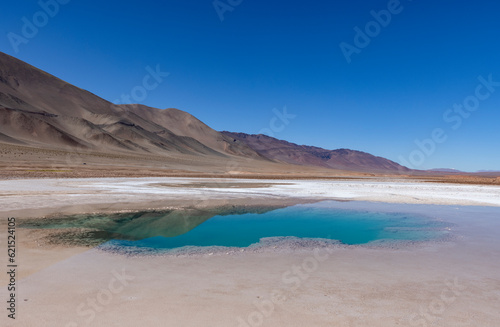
[243, 227]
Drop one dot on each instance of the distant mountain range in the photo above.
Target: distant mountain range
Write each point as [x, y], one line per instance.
[445, 170]
[291, 153]
[39, 110]
[456, 171]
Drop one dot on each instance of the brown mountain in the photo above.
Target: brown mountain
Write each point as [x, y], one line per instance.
[342, 159]
[39, 111]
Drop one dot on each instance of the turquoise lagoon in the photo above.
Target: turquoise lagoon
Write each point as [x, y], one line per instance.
[242, 227]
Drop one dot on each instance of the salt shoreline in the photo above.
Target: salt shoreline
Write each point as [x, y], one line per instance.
[48, 196]
[282, 245]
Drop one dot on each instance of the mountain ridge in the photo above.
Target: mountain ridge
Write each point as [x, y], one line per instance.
[40, 110]
[293, 153]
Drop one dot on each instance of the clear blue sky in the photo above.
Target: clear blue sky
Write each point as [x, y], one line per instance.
[271, 54]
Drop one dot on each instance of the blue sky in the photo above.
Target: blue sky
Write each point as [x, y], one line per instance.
[232, 73]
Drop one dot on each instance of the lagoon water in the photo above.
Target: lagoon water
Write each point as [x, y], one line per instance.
[238, 228]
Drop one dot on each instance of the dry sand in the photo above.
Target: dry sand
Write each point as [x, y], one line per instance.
[453, 283]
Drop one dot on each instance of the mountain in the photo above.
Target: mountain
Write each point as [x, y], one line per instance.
[343, 159]
[39, 111]
[445, 170]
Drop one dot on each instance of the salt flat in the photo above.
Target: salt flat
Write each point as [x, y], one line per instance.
[54, 193]
[451, 283]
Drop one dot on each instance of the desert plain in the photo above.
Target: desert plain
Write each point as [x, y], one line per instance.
[451, 282]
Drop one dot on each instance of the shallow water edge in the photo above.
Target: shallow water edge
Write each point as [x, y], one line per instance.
[117, 233]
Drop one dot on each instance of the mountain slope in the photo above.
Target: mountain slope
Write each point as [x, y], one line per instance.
[291, 153]
[183, 124]
[41, 111]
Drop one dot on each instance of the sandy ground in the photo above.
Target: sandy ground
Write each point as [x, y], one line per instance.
[454, 283]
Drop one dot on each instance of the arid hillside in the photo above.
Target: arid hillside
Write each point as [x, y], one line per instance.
[46, 122]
